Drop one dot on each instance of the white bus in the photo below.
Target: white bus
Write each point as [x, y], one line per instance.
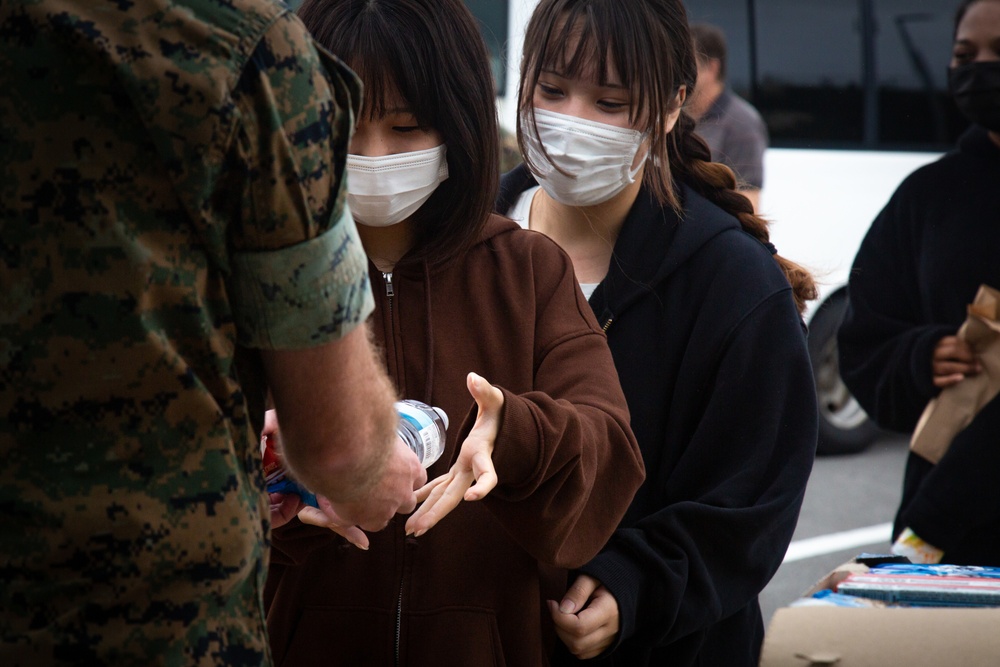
[854, 94]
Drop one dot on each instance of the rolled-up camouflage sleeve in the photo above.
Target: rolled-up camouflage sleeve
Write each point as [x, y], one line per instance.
[298, 273]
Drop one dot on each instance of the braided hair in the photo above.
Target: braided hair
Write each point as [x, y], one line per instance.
[691, 162]
[649, 43]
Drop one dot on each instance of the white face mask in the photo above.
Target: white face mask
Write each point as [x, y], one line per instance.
[598, 157]
[384, 190]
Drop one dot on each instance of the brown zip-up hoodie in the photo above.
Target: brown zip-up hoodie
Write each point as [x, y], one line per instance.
[472, 590]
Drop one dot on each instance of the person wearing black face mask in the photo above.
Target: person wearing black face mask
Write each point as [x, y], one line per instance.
[974, 79]
[919, 266]
[976, 89]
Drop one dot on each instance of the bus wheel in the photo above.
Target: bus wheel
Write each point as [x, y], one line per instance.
[844, 427]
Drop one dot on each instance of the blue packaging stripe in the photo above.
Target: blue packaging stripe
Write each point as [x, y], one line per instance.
[286, 485]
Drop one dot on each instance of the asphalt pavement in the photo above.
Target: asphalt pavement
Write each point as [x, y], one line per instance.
[849, 506]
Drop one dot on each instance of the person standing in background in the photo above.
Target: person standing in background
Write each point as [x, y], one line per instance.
[918, 268]
[730, 125]
[172, 198]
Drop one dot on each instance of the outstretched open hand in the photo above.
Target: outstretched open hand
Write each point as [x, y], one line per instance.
[472, 476]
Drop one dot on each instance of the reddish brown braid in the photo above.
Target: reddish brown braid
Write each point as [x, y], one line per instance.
[690, 162]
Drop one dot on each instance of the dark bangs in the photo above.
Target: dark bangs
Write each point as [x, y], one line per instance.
[575, 37]
[382, 55]
[432, 53]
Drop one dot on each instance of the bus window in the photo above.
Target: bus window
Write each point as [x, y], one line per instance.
[912, 59]
[863, 74]
[816, 96]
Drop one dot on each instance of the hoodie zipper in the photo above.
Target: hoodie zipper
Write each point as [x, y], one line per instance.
[389, 290]
[409, 544]
[399, 619]
[608, 318]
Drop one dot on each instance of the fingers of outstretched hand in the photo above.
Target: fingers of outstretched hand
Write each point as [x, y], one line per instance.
[476, 454]
[485, 475]
[472, 476]
[445, 496]
[488, 398]
[424, 492]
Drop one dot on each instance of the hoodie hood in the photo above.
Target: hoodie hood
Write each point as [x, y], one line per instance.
[495, 225]
[653, 243]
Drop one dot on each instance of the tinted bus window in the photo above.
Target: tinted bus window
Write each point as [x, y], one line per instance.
[842, 73]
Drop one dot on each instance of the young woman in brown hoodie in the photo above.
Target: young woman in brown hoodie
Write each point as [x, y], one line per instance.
[458, 291]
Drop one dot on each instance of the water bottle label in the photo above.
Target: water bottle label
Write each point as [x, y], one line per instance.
[428, 430]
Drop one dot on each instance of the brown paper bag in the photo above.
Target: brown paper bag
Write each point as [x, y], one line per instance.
[956, 406]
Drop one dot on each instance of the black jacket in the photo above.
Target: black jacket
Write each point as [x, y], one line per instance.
[712, 358]
[919, 266]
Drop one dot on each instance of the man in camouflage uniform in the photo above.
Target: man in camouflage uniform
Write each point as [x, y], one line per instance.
[171, 194]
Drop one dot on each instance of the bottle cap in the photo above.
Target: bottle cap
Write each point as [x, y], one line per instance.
[443, 416]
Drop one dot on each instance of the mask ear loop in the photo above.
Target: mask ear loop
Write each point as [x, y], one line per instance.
[632, 172]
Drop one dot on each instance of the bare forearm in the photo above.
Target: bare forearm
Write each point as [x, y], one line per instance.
[337, 419]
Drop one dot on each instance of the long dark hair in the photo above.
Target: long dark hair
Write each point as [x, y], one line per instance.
[649, 42]
[432, 52]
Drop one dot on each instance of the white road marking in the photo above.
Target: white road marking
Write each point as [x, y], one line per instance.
[834, 542]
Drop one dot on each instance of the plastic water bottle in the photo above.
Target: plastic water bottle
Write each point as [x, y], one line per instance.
[422, 428]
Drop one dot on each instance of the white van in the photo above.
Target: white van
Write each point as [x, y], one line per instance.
[854, 94]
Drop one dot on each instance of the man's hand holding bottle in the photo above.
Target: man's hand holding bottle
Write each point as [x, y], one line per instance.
[394, 493]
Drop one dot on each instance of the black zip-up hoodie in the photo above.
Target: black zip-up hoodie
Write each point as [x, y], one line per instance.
[712, 358]
[918, 268]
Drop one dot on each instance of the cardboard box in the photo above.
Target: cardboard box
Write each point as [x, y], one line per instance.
[910, 637]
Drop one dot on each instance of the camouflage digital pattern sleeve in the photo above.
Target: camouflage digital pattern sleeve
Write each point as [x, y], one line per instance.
[134, 527]
[296, 113]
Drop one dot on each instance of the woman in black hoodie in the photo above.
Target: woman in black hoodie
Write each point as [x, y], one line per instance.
[703, 321]
[919, 266]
